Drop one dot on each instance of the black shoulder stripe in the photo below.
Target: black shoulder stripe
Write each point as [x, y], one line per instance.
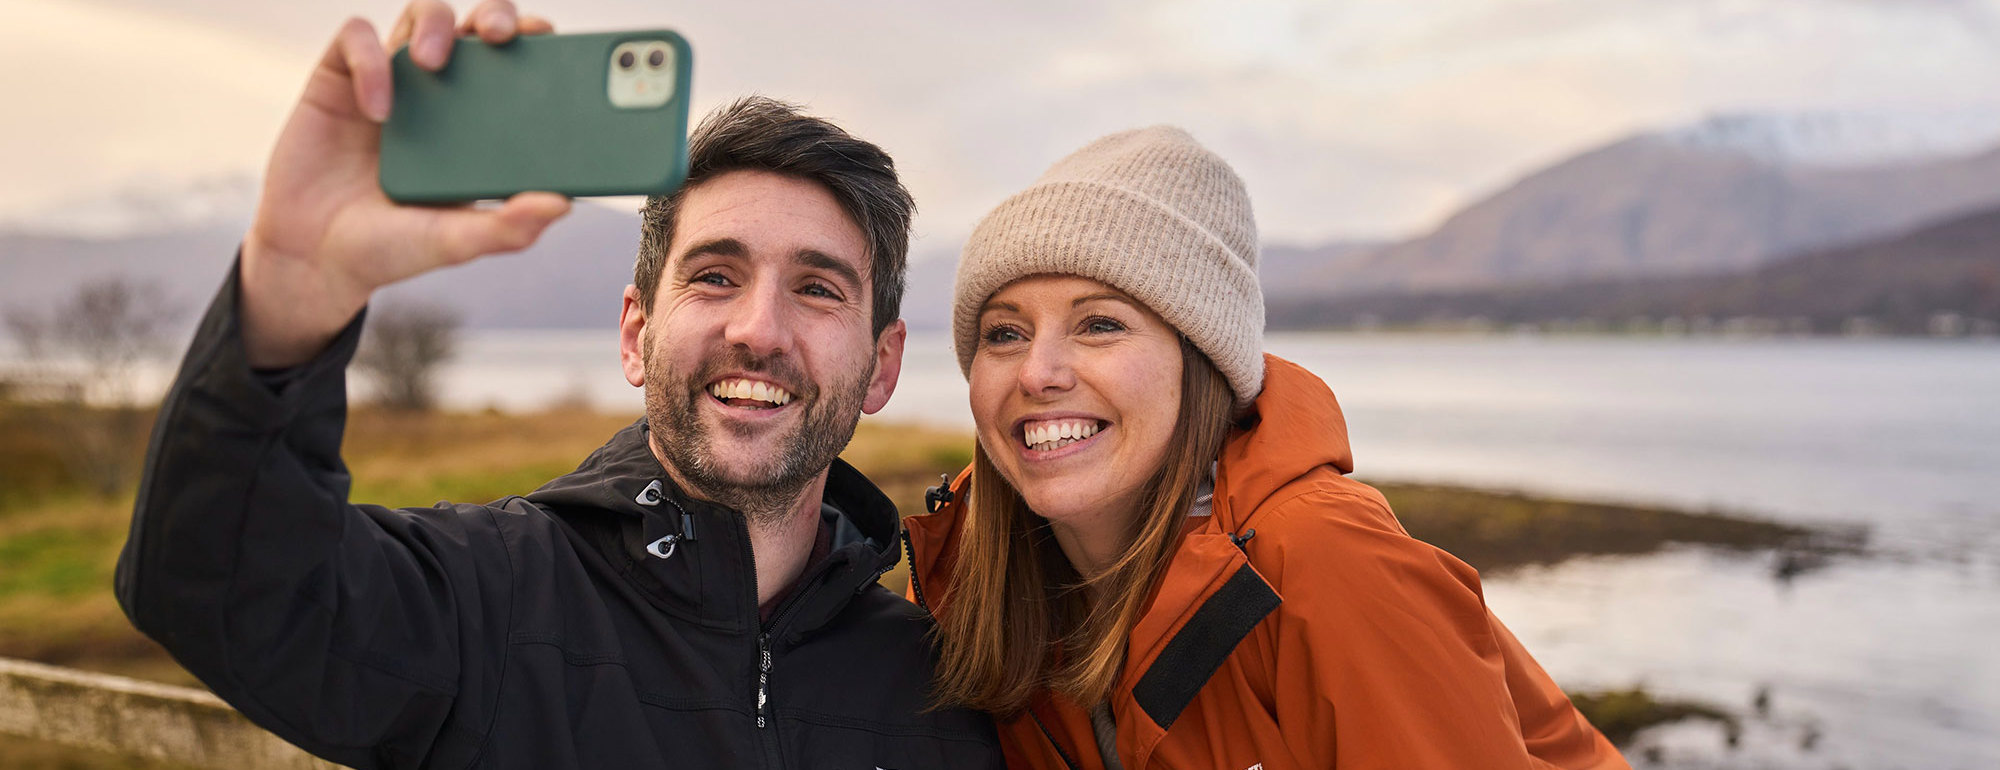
[1194, 654]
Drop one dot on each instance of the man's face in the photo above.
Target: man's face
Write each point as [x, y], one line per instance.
[757, 357]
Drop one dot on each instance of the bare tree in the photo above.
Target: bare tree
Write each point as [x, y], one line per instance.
[82, 361]
[402, 347]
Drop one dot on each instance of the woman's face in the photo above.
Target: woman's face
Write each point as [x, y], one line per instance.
[1075, 391]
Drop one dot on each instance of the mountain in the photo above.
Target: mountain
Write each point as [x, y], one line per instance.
[572, 278]
[1309, 271]
[1721, 196]
[1726, 195]
[1940, 279]
[186, 265]
[927, 289]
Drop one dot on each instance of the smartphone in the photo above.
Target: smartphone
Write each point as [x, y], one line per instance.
[590, 114]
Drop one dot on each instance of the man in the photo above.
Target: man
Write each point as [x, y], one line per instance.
[699, 593]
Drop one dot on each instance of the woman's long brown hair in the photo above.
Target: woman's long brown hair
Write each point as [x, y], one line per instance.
[1018, 618]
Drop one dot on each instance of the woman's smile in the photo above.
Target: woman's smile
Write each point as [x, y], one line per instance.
[1048, 438]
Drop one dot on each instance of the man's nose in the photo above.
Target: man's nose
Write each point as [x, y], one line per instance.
[1047, 369]
[758, 320]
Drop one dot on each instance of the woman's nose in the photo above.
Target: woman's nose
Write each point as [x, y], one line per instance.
[1047, 368]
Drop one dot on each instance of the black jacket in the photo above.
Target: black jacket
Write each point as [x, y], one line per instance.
[545, 631]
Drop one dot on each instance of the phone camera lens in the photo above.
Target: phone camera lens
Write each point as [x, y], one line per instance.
[625, 60]
[656, 58]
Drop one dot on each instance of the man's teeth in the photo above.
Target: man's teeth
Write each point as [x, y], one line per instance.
[1051, 434]
[753, 390]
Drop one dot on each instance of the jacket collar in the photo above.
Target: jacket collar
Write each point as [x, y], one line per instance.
[1294, 427]
[691, 558]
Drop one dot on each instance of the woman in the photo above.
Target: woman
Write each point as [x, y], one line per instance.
[1155, 559]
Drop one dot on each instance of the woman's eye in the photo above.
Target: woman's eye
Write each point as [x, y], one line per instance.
[1102, 326]
[1001, 334]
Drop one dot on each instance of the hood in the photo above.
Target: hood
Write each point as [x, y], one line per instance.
[708, 575]
[1294, 427]
[611, 479]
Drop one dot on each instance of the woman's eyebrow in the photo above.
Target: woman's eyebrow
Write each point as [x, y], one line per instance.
[994, 304]
[1110, 295]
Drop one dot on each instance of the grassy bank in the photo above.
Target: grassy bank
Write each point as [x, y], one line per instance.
[58, 541]
[1499, 531]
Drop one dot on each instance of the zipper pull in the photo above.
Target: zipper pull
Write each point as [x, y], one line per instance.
[763, 674]
[935, 497]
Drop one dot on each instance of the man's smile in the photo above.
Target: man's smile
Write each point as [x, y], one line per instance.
[745, 393]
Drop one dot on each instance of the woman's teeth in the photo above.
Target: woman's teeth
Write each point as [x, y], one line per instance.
[1053, 434]
[769, 396]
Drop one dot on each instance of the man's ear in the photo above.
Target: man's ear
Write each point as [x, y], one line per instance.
[888, 366]
[632, 337]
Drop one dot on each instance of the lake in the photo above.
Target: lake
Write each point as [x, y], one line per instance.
[1902, 436]
[1882, 660]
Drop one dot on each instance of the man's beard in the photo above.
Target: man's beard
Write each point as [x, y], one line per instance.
[765, 491]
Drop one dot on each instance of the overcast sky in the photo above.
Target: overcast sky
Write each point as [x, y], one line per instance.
[1354, 118]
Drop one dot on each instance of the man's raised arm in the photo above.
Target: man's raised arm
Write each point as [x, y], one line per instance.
[350, 630]
[325, 236]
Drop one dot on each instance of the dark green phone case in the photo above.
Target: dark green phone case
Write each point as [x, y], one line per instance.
[532, 114]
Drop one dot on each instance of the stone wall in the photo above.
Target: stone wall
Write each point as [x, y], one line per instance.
[135, 718]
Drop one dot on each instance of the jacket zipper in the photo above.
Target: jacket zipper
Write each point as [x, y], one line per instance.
[915, 587]
[764, 656]
[1064, 755]
[763, 675]
[772, 757]
[763, 635]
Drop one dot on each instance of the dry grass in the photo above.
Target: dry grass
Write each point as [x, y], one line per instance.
[403, 459]
[58, 545]
[27, 754]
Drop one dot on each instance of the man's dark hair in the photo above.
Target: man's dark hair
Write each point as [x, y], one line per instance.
[759, 133]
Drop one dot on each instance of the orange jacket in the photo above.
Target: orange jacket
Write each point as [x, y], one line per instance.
[1329, 638]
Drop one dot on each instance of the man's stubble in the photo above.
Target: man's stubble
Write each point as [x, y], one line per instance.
[766, 491]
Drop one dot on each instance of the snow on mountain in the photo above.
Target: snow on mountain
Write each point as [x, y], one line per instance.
[1843, 139]
[1728, 195]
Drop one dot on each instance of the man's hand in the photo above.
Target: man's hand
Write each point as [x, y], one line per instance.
[325, 236]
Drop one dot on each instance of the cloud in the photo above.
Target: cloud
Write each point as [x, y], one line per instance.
[1365, 117]
[101, 98]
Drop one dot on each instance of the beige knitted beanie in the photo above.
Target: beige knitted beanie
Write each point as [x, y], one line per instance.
[1150, 212]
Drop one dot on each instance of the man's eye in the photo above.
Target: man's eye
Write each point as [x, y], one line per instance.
[712, 279]
[819, 290]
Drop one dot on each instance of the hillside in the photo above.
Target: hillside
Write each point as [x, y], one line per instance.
[1722, 196]
[1651, 205]
[1913, 283]
[572, 278]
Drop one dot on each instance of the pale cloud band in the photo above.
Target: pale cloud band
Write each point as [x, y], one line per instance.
[1360, 118]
